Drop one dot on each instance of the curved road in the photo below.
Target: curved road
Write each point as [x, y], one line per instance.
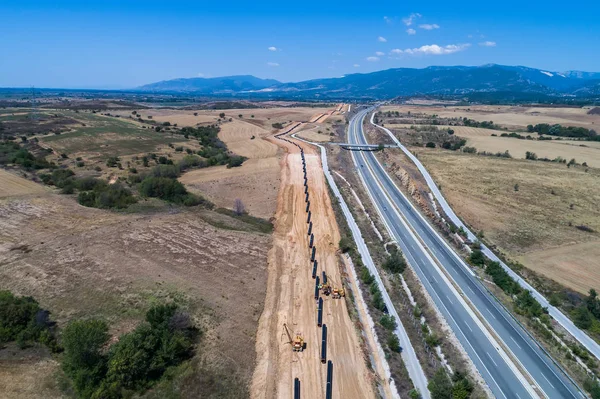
[426, 251]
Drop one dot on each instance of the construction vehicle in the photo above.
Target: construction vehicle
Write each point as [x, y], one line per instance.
[338, 292]
[298, 344]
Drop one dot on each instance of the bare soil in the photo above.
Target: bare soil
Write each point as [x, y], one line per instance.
[83, 262]
[290, 300]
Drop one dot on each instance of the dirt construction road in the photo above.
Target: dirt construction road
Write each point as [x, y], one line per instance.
[290, 296]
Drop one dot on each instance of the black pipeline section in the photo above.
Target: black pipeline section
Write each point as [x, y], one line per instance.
[308, 207]
[316, 288]
[308, 219]
[324, 344]
[309, 228]
[314, 272]
[296, 388]
[314, 252]
[320, 314]
[324, 277]
[329, 387]
[312, 239]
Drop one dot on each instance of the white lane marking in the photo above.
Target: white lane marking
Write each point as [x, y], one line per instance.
[449, 299]
[548, 380]
[515, 342]
[468, 326]
[435, 279]
[492, 315]
[495, 362]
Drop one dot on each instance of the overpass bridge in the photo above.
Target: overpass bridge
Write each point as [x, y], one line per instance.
[364, 147]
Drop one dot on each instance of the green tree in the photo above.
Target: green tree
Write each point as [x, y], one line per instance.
[394, 344]
[440, 385]
[395, 263]
[462, 387]
[582, 317]
[83, 360]
[477, 257]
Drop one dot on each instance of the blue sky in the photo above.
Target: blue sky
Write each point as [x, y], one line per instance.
[123, 44]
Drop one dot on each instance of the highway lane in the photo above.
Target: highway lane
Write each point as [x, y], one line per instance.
[495, 368]
[556, 313]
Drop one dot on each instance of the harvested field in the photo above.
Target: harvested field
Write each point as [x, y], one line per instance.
[83, 262]
[13, 185]
[513, 117]
[246, 139]
[541, 216]
[314, 135]
[482, 140]
[290, 300]
[263, 117]
[256, 183]
[576, 266]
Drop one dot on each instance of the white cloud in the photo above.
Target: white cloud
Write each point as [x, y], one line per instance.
[408, 21]
[488, 44]
[272, 64]
[434, 49]
[411, 31]
[200, 75]
[431, 49]
[388, 20]
[272, 48]
[381, 39]
[372, 59]
[356, 65]
[429, 26]
[379, 53]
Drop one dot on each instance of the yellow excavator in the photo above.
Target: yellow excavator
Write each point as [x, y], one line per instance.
[336, 291]
[297, 343]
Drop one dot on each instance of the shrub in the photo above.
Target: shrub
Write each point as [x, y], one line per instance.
[395, 263]
[22, 320]
[366, 276]
[162, 187]
[394, 344]
[346, 244]
[112, 162]
[169, 171]
[477, 258]
[189, 162]
[235, 161]
[106, 196]
[135, 362]
[388, 322]
[430, 144]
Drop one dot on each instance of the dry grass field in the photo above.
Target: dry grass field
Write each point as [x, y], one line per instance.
[513, 117]
[256, 183]
[263, 117]
[534, 222]
[82, 262]
[13, 185]
[246, 139]
[483, 140]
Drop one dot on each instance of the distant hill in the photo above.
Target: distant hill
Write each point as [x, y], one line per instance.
[221, 85]
[492, 79]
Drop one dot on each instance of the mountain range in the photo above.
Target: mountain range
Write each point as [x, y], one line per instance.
[389, 83]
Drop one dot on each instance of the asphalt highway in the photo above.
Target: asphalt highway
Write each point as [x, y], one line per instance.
[496, 356]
